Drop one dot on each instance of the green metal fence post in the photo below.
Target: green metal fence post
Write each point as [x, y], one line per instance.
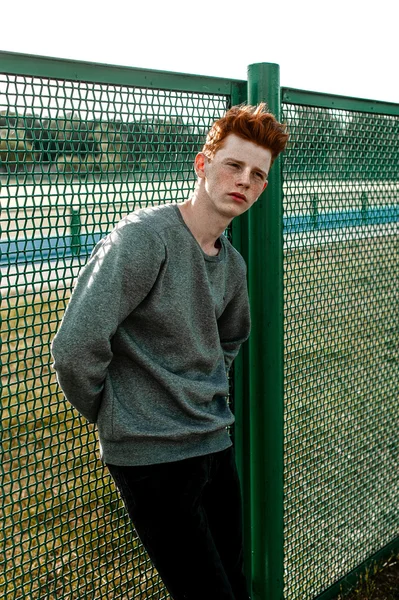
[315, 211]
[365, 208]
[75, 231]
[265, 351]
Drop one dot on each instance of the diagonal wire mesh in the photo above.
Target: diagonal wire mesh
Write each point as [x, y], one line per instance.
[341, 257]
[75, 158]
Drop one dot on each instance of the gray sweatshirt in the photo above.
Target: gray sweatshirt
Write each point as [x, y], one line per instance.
[151, 327]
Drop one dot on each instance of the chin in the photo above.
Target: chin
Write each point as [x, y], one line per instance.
[229, 213]
[231, 210]
[236, 210]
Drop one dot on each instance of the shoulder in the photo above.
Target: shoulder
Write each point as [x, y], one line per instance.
[234, 258]
[138, 233]
[147, 223]
[155, 218]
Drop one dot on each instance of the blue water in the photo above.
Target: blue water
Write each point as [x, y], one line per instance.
[338, 220]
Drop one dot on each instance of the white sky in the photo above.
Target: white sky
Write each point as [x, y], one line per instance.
[347, 47]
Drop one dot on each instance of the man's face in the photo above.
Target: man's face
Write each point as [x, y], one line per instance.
[235, 177]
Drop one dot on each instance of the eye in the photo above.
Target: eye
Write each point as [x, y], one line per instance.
[259, 176]
[234, 165]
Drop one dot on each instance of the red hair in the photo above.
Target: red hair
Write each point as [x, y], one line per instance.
[252, 123]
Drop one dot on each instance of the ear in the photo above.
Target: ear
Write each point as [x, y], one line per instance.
[199, 164]
[265, 186]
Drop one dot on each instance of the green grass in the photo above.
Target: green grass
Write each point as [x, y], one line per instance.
[379, 582]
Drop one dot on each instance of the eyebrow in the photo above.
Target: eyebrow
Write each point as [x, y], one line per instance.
[240, 162]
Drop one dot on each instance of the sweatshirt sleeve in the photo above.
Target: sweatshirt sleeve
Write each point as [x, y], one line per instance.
[235, 324]
[119, 275]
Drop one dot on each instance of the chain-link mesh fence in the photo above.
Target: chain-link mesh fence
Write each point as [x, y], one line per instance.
[341, 271]
[75, 158]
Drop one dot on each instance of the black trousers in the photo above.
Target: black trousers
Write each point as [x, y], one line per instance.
[188, 517]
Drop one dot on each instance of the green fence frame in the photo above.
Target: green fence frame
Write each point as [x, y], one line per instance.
[259, 384]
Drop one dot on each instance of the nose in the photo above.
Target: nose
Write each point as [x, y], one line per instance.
[244, 178]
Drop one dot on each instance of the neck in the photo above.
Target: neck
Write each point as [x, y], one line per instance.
[204, 224]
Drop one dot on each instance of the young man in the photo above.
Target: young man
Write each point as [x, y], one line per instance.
[156, 319]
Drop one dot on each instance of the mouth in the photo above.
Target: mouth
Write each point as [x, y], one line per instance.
[238, 197]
